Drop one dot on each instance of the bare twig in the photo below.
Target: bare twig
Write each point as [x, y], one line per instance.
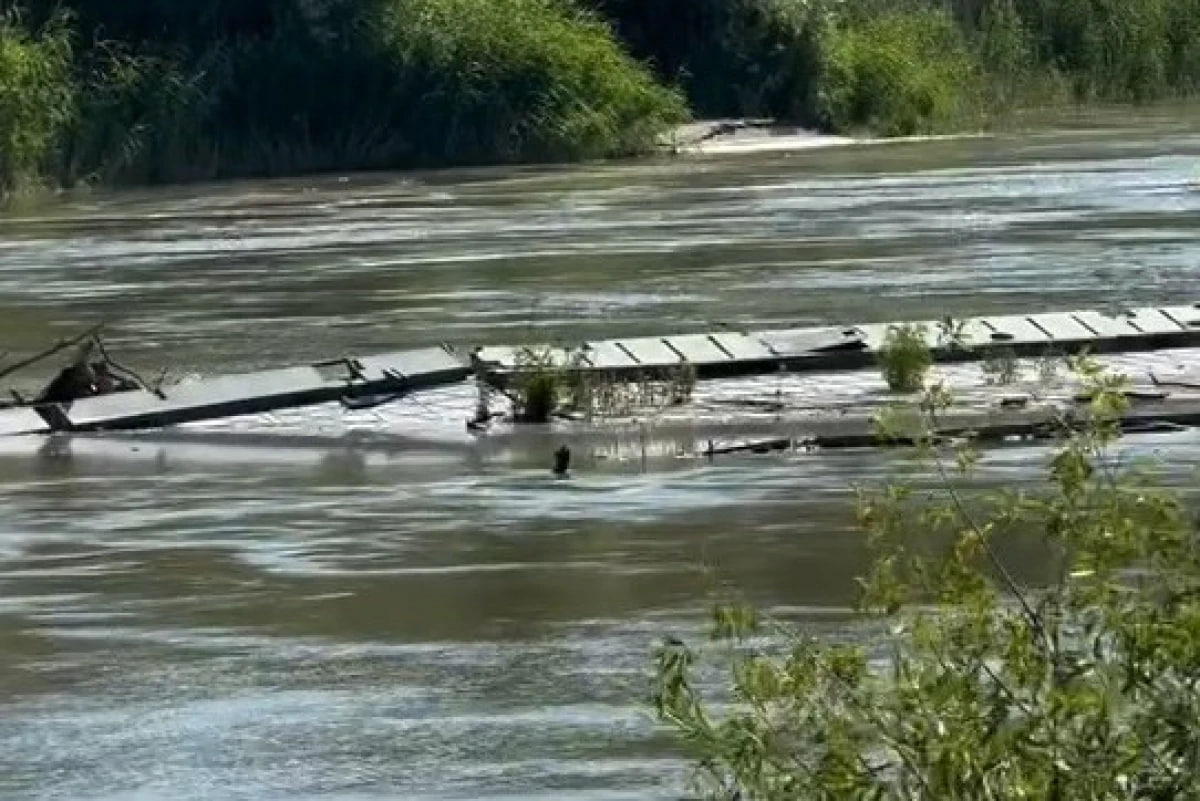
[156, 389]
[48, 352]
[985, 542]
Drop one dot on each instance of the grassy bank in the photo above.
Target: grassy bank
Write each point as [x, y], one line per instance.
[194, 89]
[175, 90]
[912, 66]
[36, 98]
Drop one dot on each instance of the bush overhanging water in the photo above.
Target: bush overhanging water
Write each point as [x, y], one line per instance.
[967, 682]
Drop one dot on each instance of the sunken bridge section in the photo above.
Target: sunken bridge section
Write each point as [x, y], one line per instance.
[371, 379]
[728, 353]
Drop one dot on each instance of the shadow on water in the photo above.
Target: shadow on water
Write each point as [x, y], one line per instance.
[318, 605]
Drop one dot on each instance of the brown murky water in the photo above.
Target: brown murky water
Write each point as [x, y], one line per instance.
[317, 605]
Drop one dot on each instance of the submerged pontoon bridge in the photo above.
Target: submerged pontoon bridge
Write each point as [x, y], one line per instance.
[710, 355]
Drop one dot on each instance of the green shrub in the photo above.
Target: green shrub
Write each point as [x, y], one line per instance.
[905, 358]
[1006, 50]
[1001, 367]
[536, 385]
[1109, 49]
[513, 80]
[133, 110]
[165, 90]
[539, 398]
[37, 99]
[179, 25]
[197, 90]
[898, 73]
[910, 66]
[1183, 46]
[967, 683]
[732, 57]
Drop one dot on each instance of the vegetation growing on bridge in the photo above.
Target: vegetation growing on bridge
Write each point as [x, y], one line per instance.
[171, 90]
[904, 358]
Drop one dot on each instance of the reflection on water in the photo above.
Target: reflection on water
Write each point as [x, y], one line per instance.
[320, 605]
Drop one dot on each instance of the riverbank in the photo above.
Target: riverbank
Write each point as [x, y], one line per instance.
[186, 92]
[734, 137]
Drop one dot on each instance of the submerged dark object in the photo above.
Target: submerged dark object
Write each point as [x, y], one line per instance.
[562, 461]
[73, 382]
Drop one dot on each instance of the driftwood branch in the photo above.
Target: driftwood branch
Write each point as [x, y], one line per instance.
[155, 388]
[59, 346]
[757, 446]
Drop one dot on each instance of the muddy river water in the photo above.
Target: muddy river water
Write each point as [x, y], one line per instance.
[319, 606]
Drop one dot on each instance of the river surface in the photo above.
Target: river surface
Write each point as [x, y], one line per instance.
[327, 606]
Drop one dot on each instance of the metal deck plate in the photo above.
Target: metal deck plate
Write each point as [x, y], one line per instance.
[743, 346]
[21, 421]
[1187, 316]
[1000, 331]
[607, 355]
[428, 365]
[652, 352]
[698, 349]
[250, 393]
[1152, 321]
[1103, 325]
[1063, 328]
[231, 390]
[800, 341]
